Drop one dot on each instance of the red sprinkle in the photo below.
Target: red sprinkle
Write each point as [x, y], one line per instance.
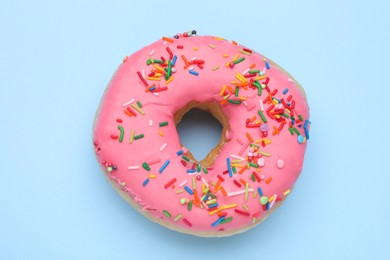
[114, 137]
[220, 178]
[179, 46]
[237, 183]
[166, 186]
[119, 120]
[142, 78]
[242, 212]
[187, 222]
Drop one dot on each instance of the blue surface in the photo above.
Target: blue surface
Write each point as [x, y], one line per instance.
[56, 59]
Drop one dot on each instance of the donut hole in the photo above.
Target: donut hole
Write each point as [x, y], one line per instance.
[201, 128]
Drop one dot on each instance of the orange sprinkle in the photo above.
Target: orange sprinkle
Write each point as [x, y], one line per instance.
[235, 43]
[223, 191]
[242, 170]
[185, 60]
[230, 89]
[225, 55]
[161, 133]
[249, 137]
[268, 180]
[196, 203]
[216, 188]
[252, 66]
[223, 101]
[196, 196]
[167, 39]
[127, 112]
[253, 118]
[243, 182]
[222, 91]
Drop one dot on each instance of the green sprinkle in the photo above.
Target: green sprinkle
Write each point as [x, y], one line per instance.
[139, 104]
[189, 207]
[226, 220]
[254, 145]
[198, 168]
[285, 115]
[158, 61]
[254, 165]
[254, 71]
[185, 158]
[264, 153]
[301, 117]
[205, 171]
[138, 136]
[148, 62]
[121, 134]
[253, 177]
[178, 217]
[262, 116]
[258, 86]
[234, 170]
[236, 92]
[163, 123]
[236, 102]
[166, 213]
[296, 131]
[168, 70]
[291, 131]
[239, 60]
[145, 165]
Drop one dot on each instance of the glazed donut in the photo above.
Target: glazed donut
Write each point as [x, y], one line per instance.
[265, 127]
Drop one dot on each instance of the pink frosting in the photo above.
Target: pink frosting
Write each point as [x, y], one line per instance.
[165, 195]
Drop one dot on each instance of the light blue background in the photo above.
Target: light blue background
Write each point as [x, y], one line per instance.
[56, 59]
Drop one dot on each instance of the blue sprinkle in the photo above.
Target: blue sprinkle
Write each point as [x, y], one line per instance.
[174, 60]
[145, 182]
[285, 91]
[306, 123]
[153, 88]
[191, 170]
[164, 166]
[188, 190]
[213, 205]
[218, 221]
[229, 167]
[301, 139]
[267, 65]
[288, 103]
[193, 72]
[267, 206]
[180, 152]
[206, 197]
[292, 121]
[260, 191]
[307, 134]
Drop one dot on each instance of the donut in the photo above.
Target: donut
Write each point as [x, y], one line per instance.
[265, 127]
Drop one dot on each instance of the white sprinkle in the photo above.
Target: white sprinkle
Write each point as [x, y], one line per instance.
[245, 71]
[135, 167]
[151, 52]
[261, 162]
[261, 105]
[156, 94]
[194, 58]
[245, 103]
[165, 42]
[143, 74]
[163, 147]
[235, 193]
[237, 157]
[280, 163]
[192, 173]
[205, 182]
[273, 201]
[183, 182]
[150, 122]
[191, 67]
[128, 103]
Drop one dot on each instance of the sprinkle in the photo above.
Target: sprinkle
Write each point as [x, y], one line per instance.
[189, 190]
[164, 166]
[226, 220]
[178, 217]
[128, 103]
[167, 39]
[218, 221]
[132, 136]
[163, 147]
[212, 46]
[242, 212]
[204, 181]
[262, 116]
[189, 206]
[151, 52]
[223, 208]
[249, 137]
[239, 60]
[246, 191]
[268, 180]
[286, 192]
[193, 72]
[260, 191]
[235, 102]
[301, 139]
[285, 91]
[139, 104]
[150, 122]
[169, 80]
[180, 152]
[152, 176]
[122, 132]
[280, 163]
[187, 222]
[229, 167]
[182, 183]
[138, 109]
[135, 167]
[138, 136]
[235, 193]
[142, 79]
[163, 124]
[166, 213]
[237, 157]
[215, 68]
[146, 166]
[145, 182]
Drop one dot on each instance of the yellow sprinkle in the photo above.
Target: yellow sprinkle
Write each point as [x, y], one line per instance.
[225, 55]
[152, 176]
[235, 58]
[254, 194]
[161, 133]
[211, 201]
[258, 121]
[253, 220]
[236, 161]
[222, 90]
[169, 80]
[244, 52]
[242, 98]
[193, 183]
[286, 192]
[158, 68]
[271, 198]
[218, 38]
[258, 169]
[138, 109]
[226, 97]
[240, 77]
[236, 165]
[212, 46]
[132, 136]
[195, 48]
[244, 206]
[246, 191]
[222, 208]
[157, 74]
[153, 78]
[179, 191]
[259, 77]
[215, 68]
[275, 101]
[227, 64]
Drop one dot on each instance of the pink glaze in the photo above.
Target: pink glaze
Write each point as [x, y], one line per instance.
[283, 164]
